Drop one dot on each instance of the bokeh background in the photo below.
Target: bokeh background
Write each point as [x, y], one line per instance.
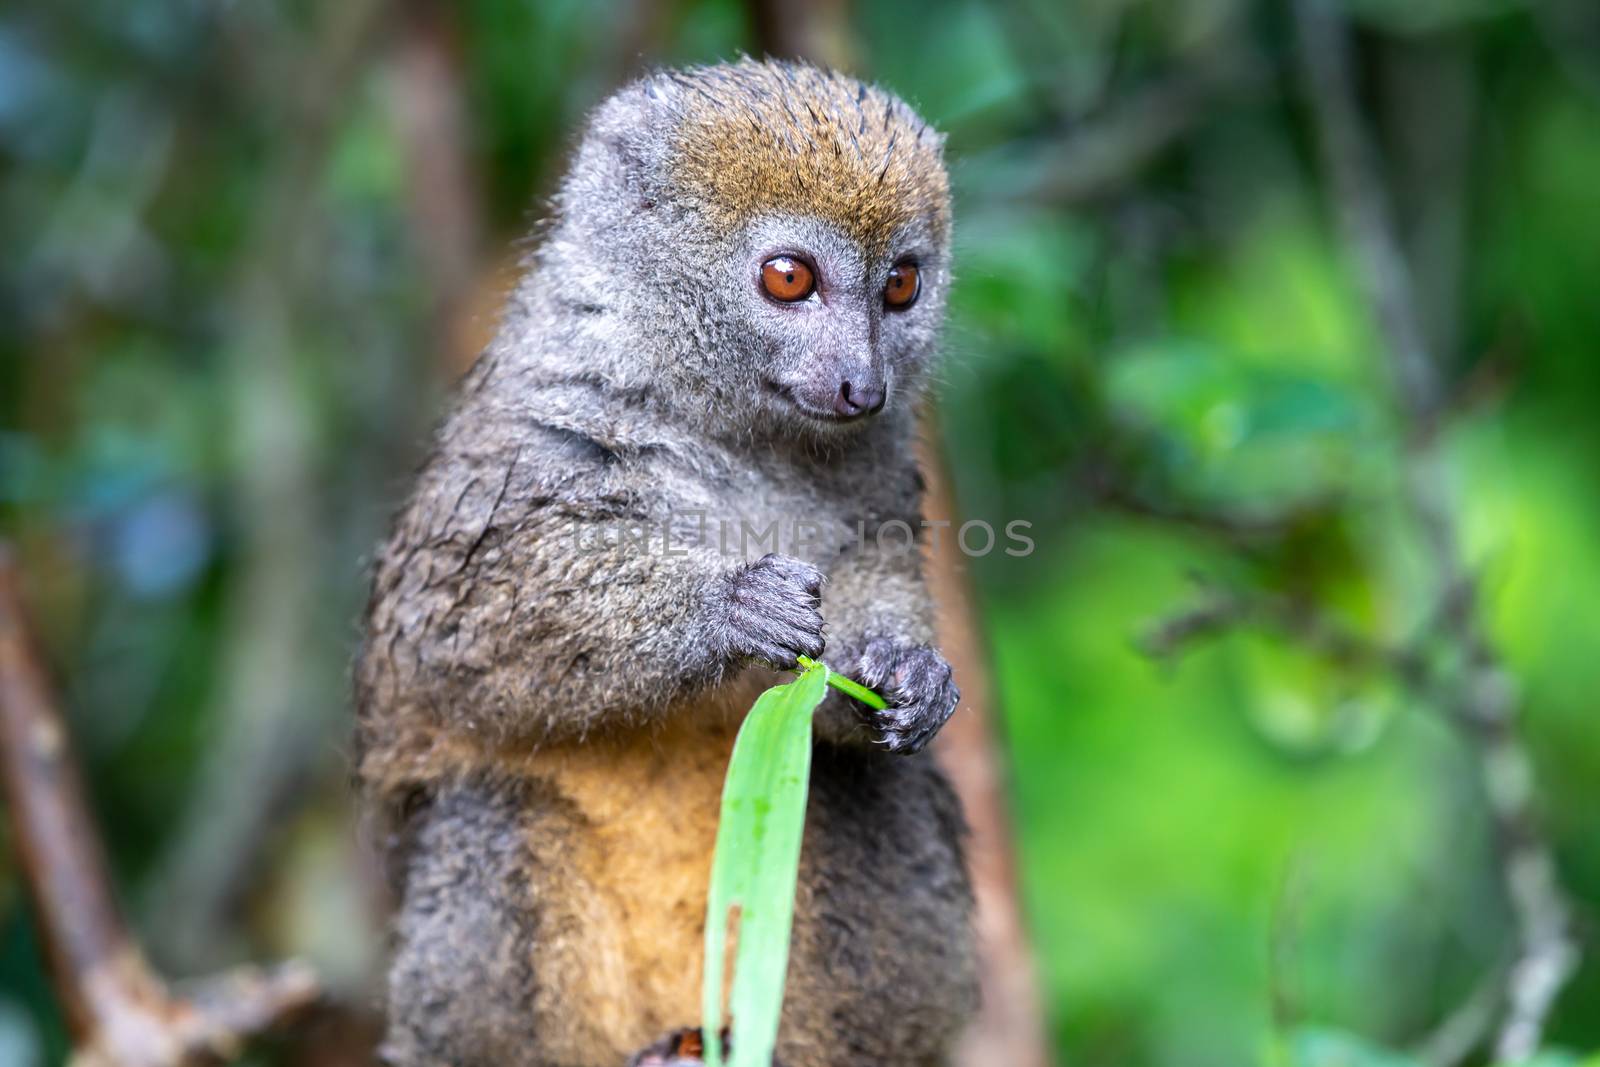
[248, 247]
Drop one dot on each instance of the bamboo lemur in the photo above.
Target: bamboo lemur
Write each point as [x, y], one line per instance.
[726, 325]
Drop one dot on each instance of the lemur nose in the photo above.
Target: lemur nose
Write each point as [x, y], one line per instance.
[854, 400]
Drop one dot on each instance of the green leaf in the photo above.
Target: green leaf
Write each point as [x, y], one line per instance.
[755, 867]
[847, 686]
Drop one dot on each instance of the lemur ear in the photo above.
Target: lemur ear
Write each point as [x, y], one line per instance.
[625, 151]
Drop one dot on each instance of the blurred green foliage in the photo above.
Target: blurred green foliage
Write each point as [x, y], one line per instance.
[217, 341]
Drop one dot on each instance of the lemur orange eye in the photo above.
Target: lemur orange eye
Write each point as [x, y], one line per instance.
[905, 282]
[786, 278]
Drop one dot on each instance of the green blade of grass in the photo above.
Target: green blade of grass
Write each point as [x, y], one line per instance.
[848, 686]
[755, 867]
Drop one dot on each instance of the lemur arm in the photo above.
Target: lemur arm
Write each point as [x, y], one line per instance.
[514, 601]
[879, 614]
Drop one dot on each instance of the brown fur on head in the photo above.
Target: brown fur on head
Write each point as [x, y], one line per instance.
[760, 137]
[687, 182]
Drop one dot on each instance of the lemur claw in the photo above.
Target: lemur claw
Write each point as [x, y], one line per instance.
[774, 611]
[917, 683]
[681, 1048]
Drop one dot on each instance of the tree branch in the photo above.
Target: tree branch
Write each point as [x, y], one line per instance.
[1481, 699]
[119, 1011]
[1103, 153]
[1010, 1027]
[819, 31]
[1236, 527]
[433, 127]
[1297, 618]
[1362, 204]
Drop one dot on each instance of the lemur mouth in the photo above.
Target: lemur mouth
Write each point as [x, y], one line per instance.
[816, 414]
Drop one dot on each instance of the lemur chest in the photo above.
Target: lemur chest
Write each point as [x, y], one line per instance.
[620, 881]
[755, 514]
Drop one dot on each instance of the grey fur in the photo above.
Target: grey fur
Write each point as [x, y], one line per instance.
[463, 917]
[640, 376]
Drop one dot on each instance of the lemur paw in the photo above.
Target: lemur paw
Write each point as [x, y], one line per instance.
[774, 611]
[681, 1048]
[920, 690]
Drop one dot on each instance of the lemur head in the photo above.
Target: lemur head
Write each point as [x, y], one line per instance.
[776, 237]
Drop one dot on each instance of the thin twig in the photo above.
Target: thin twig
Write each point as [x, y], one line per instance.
[121, 1014]
[1224, 610]
[1237, 527]
[1101, 155]
[1363, 205]
[1481, 700]
[1465, 1028]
